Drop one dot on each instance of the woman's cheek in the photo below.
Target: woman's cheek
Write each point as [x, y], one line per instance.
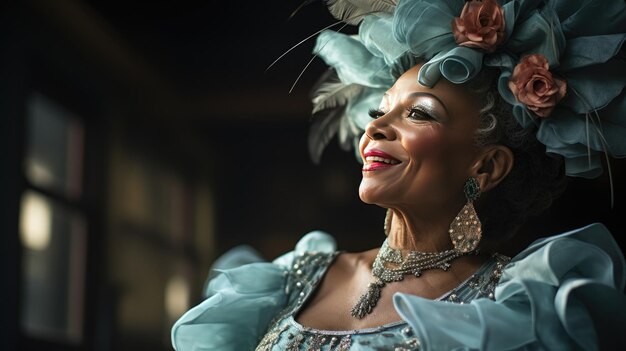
[426, 144]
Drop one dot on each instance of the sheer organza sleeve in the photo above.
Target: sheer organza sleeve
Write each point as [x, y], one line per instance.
[243, 294]
[564, 292]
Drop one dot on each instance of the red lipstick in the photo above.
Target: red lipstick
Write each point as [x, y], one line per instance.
[377, 160]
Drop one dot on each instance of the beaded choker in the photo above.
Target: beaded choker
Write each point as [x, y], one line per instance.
[390, 266]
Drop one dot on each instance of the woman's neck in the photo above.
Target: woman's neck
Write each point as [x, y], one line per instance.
[412, 234]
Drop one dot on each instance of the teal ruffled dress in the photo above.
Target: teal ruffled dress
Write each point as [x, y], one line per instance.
[565, 292]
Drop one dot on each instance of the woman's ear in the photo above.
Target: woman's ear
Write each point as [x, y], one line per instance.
[493, 164]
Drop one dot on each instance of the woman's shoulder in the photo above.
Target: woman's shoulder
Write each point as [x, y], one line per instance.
[596, 234]
[239, 303]
[590, 251]
[244, 292]
[563, 291]
[312, 243]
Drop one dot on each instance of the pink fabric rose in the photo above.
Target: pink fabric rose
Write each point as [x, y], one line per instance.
[481, 25]
[533, 85]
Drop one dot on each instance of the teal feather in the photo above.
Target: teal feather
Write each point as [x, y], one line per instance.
[330, 98]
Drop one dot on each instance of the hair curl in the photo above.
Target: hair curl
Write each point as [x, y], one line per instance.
[536, 178]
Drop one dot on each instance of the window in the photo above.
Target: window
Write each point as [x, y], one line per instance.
[53, 224]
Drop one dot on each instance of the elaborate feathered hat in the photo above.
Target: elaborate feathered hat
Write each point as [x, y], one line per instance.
[561, 66]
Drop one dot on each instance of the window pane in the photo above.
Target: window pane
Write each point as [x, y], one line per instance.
[54, 153]
[54, 243]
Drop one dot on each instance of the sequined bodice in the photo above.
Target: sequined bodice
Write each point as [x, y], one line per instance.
[307, 272]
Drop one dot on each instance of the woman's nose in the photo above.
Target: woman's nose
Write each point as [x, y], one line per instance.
[381, 128]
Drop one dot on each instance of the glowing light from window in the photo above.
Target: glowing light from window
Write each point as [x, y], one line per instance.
[176, 297]
[35, 221]
[39, 173]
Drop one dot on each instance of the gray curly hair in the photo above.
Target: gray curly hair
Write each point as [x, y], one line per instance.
[536, 178]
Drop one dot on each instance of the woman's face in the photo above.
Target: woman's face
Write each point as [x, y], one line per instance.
[418, 150]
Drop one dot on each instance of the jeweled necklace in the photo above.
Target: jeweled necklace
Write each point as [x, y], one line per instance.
[390, 266]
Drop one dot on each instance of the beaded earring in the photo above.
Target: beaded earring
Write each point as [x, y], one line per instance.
[387, 225]
[465, 230]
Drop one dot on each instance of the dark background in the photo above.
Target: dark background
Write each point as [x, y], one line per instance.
[175, 95]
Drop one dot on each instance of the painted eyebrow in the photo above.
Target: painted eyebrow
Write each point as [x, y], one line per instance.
[421, 93]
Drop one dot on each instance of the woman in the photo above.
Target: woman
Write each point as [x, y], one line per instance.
[456, 151]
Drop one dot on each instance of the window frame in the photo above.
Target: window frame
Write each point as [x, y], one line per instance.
[89, 204]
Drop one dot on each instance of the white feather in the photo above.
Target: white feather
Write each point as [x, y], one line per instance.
[353, 11]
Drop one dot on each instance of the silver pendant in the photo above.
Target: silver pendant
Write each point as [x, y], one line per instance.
[368, 300]
[391, 266]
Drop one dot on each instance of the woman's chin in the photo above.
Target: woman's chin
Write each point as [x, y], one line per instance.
[370, 194]
[363, 193]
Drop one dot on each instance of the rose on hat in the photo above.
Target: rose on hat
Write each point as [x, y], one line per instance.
[480, 25]
[533, 84]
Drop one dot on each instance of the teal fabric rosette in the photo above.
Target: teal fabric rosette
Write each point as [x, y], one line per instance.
[559, 61]
[243, 294]
[549, 295]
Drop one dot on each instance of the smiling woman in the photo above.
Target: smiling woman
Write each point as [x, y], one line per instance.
[434, 148]
[486, 108]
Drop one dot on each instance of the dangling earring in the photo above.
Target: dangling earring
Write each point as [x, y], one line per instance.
[387, 225]
[465, 229]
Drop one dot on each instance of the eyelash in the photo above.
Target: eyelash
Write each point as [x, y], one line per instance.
[422, 115]
[377, 113]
